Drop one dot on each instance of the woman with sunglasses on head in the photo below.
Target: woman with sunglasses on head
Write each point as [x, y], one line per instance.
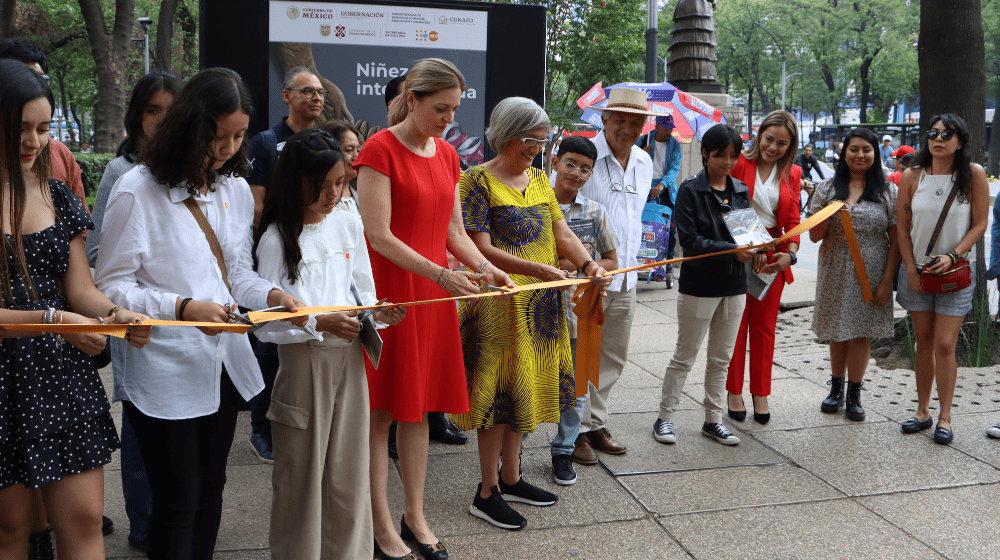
[176, 244]
[408, 190]
[519, 367]
[768, 169]
[943, 164]
[841, 315]
[56, 431]
[319, 406]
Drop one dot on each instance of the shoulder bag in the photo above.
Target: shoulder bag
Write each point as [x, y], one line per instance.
[958, 276]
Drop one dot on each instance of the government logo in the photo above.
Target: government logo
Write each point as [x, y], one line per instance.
[434, 36]
[443, 20]
[324, 30]
[293, 12]
[341, 31]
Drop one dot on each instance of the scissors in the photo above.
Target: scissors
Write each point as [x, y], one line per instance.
[364, 315]
[238, 319]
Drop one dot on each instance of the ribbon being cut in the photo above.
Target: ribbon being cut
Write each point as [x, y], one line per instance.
[588, 307]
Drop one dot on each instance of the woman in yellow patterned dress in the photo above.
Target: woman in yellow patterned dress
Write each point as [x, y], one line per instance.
[518, 364]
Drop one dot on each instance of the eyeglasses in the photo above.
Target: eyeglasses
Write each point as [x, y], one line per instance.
[617, 187]
[945, 135]
[532, 142]
[309, 92]
[574, 168]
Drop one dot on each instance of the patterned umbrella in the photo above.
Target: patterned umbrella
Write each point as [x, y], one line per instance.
[695, 116]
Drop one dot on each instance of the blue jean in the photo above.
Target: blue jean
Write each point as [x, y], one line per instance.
[569, 421]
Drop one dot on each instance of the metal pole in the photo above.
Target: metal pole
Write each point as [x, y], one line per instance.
[651, 33]
[782, 79]
[145, 38]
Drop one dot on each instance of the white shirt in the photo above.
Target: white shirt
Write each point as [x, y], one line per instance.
[333, 253]
[152, 253]
[624, 209]
[765, 198]
[659, 158]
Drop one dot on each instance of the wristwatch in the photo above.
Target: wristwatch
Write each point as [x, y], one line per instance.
[795, 259]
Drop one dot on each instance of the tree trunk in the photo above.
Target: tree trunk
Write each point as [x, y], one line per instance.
[8, 11]
[65, 106]
[750, 111]
[165, 35]
[189, 27]
[866, 85]
[110, 54]
[993, 169]
[760, 88]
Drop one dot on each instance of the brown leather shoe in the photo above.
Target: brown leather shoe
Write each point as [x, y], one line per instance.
[584, 453]
[601, 440]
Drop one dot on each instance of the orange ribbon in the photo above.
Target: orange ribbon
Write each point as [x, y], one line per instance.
[859, 265]
[589, 307]
[118, 330]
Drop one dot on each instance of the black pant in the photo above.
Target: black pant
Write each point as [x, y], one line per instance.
[186, 463]
[267, 358]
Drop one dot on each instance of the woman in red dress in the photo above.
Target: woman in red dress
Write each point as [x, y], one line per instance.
[768, 169]
[410, 169]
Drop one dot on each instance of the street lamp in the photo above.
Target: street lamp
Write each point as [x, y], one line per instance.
[145, 22]
[780, 48]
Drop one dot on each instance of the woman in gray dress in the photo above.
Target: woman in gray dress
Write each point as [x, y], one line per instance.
[841, 314]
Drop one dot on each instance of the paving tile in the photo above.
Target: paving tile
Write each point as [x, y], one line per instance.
[609, 541]
[874, 458]
[657, 293]
[832, 530]
[950, 520]
[971, 438]
[541, 438]
[634, 377]
[653, 338]
[718, 489]
[645, 315]
[894, 393]
[452, 481]
[692, 451]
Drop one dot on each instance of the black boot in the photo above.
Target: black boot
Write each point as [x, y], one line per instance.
[835, 400]
[853, 410]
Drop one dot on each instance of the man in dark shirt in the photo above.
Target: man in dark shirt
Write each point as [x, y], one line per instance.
[808, 162]
[305, 97]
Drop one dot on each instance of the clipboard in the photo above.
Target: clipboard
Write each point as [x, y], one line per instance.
[370, 339]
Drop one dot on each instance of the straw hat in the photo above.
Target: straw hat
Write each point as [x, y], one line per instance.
[627, 100]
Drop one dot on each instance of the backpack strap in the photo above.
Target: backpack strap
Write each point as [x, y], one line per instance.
[271, 141]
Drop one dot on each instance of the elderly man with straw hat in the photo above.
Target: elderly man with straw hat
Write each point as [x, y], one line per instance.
[620, 182]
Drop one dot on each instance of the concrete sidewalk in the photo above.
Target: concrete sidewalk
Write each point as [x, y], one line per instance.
[806, 485]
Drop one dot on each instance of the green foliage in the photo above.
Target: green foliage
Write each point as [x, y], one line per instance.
[911, 341]
[980, 336]
[92, 169]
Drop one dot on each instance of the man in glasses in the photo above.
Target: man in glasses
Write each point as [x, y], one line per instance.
[620, 181]
[305, 97]
[64, 166]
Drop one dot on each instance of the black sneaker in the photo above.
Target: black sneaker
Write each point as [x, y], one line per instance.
[719, 433]
[562, 469]
[262, 448]
[525, 493]
[663, 432]
[496, 511]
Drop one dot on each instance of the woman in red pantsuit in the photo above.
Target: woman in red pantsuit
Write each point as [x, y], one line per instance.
[768, 169]
[407, 189]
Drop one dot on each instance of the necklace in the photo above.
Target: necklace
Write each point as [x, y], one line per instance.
[420, 151]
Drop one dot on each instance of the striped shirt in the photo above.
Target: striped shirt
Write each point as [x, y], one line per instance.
[602, 241]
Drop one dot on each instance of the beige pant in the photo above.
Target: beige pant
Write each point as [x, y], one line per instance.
[322, 496]
[619, 309]
[720, 318]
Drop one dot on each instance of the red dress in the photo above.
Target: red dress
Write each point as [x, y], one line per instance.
[421, 369]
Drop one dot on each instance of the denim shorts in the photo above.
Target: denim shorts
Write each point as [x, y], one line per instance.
[955, 304]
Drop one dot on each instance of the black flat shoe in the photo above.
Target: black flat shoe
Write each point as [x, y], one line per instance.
[435, 551]
[942, 435]
[410, 556]
[738, 415]
[760, 417]
[913, 425]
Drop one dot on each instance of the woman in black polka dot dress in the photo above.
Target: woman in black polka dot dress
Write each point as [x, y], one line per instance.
[56, 432]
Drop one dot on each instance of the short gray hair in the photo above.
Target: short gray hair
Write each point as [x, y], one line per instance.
[289, 81]
[512, 118]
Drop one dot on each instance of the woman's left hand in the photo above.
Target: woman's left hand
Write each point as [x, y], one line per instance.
[599, 278]
[943, 264]
[781, 262]
[391, 316]
[278, 298]
[137, 335]
[496, 277]
[883, 294]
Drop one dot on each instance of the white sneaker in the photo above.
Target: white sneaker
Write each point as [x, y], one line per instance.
[993, 431]
[719, 433]
[663, 432]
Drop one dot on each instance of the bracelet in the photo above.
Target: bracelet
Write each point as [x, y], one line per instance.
[62, 314]
[101, 320]
[47, 319]
[440, 274]
[583, 267]
[112, 312]
[180, 312]
[482, 266]
[446, 278]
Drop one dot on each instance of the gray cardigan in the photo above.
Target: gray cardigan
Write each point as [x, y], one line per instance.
[115, 169]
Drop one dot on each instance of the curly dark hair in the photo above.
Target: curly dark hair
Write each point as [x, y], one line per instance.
[296, 182]
[146, 87]
[962, 166]
[176, 155]
[875, 183]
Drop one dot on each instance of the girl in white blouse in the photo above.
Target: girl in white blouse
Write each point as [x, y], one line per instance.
[183, 392]
[319, 407]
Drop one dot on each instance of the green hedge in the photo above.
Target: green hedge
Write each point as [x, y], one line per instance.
[91, 170]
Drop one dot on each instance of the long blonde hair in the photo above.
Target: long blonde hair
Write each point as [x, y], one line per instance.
[425, 78]
[776, 118]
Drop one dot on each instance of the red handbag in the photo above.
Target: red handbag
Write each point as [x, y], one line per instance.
[956, 278]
